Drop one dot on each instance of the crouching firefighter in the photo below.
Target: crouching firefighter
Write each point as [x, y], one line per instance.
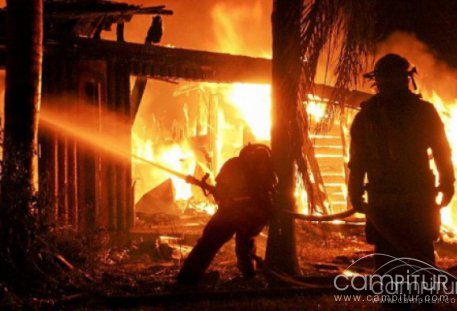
[244, 190]
[390, 140]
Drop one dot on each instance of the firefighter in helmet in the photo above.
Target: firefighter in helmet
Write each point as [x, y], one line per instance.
[245, 187]
[391, 137]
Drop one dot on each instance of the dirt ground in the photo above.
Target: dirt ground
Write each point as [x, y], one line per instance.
[140, 272]
[324, 250]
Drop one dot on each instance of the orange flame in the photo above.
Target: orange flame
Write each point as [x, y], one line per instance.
[448, 113]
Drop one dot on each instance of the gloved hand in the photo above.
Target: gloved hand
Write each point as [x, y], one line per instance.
[448, 192]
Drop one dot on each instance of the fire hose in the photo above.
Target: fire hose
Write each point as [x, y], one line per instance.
[269, 271]
[337, 216]
[209, 189]
[283, 278]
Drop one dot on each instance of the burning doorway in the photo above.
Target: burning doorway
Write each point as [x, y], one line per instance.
[193, 128]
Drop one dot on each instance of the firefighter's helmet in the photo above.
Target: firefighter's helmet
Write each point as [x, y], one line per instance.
[256, 159]
[391, 65]
[255, 152]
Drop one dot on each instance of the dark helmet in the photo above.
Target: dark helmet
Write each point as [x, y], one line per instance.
[256, 159]
[255, 152]
[390, 65]
[393, 68]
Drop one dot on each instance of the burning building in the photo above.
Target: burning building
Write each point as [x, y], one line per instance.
[87, 91]
[128, 130]
[210, 105]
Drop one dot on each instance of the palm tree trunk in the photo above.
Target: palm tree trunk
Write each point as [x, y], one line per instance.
[281, 251]
[22, 99]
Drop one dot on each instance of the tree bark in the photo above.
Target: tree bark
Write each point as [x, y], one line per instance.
[22, 99]
[281, 250]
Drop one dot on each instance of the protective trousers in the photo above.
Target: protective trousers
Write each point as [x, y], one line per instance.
[220, 229]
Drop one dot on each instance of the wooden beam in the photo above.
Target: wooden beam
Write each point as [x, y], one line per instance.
[127, 13]
[170, 63]
[183, 64]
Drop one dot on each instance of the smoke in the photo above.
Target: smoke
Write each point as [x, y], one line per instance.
[434, 75]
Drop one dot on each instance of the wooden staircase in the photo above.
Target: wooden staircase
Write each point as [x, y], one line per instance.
[330, 152]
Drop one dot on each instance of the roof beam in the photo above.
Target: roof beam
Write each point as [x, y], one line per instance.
[171, 63]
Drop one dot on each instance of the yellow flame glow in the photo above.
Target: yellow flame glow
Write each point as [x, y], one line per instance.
[316, 107]
[253, 101]
[448, 113]
[177, 157]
